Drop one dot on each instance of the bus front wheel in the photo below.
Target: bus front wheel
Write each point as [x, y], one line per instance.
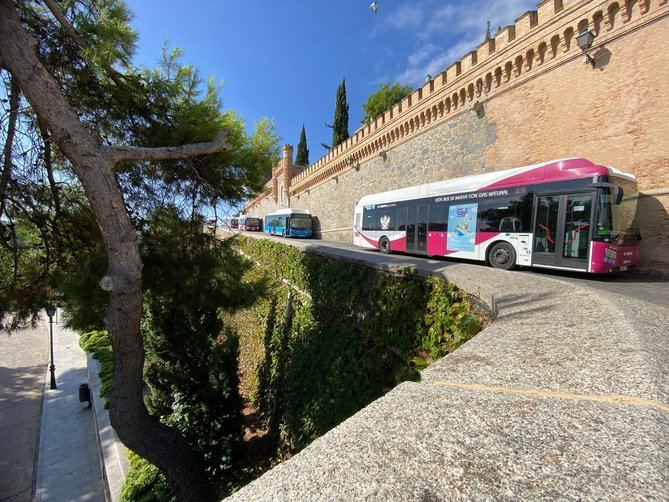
[384, 245]
[502, 255]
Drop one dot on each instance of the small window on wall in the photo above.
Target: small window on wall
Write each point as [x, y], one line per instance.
[512, 214]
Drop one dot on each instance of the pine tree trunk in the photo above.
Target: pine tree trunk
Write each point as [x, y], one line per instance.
[9, 141]
[94, 165]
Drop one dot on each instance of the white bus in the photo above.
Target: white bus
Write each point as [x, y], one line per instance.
[566, 214]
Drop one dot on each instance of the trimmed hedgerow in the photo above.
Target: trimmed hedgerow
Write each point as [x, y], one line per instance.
[99, 344]
[145, 483]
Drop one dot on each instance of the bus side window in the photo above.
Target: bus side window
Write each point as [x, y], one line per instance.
[438, 217]
[386, 218]
[513, 214]
[401, 217]
[368, 219]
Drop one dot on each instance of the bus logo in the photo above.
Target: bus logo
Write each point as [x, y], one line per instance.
[385, 222]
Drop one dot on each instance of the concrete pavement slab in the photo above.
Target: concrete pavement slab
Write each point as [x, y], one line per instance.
[424, 442]
[69, 462]
[23, 355]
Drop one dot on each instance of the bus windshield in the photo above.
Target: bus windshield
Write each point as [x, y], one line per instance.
[252, 222]
[300, 222]
[615, 223]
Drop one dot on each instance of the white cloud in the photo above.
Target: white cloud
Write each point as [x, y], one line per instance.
[415, 74]
[407, 16]
[465, 18]
[443, 19]
[474, 15]
[422, 54]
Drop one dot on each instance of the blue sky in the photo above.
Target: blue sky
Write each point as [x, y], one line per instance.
[284, 59]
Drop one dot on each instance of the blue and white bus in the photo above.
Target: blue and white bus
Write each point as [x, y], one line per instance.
[289, 223]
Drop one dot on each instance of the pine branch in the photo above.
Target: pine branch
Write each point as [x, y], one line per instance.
[116, 77]
[53, 6]
[136, 153]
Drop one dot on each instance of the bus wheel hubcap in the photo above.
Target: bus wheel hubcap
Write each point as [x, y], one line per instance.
[501, 256]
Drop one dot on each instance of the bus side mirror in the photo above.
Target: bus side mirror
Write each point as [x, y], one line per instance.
[615, 190]
[617, 195]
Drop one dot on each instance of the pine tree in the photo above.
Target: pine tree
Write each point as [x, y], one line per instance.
[340, 124]
[84, 98]
[385, 97]
[302, 158]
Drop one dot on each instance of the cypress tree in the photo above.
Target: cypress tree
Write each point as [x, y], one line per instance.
[340, 124]
[302, 158]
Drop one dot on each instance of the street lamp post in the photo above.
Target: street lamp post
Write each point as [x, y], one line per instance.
[50, 311]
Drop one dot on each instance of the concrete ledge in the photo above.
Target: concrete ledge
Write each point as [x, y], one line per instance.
[564, 395]
[422, 442]
[112, 451]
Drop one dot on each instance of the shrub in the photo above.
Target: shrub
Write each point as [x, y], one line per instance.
[99, 344]
[145, 483]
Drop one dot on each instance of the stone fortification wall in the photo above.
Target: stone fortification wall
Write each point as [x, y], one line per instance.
[524, 96]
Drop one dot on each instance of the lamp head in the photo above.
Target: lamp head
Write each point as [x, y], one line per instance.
[585, 39]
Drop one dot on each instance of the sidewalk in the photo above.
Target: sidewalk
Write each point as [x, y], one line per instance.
[23, 356]
[68, 466]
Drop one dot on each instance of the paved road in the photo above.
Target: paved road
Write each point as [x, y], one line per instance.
[23, 357]
[652, 287]
[68, 466]
[564, 395]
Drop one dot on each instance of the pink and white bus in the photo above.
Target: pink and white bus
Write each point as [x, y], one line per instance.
[566, 214]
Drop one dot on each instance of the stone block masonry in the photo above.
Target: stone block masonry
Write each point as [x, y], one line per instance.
[539, 102]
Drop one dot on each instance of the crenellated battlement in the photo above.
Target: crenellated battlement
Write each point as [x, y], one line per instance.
[538, 41]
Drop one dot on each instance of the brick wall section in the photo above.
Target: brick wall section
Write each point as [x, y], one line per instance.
[541, 102]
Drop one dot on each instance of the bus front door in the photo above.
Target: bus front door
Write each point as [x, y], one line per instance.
[417, 229]
[562, 230]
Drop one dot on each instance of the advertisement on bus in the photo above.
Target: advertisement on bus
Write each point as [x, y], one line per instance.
[462, 227]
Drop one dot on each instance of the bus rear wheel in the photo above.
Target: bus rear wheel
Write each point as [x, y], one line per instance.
[384, 245]
[502, 255]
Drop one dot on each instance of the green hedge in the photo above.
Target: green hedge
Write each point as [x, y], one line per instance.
[361, 332]
[99, 344]
[145, 483]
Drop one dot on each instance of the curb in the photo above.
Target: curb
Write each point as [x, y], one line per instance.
[112, 452]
